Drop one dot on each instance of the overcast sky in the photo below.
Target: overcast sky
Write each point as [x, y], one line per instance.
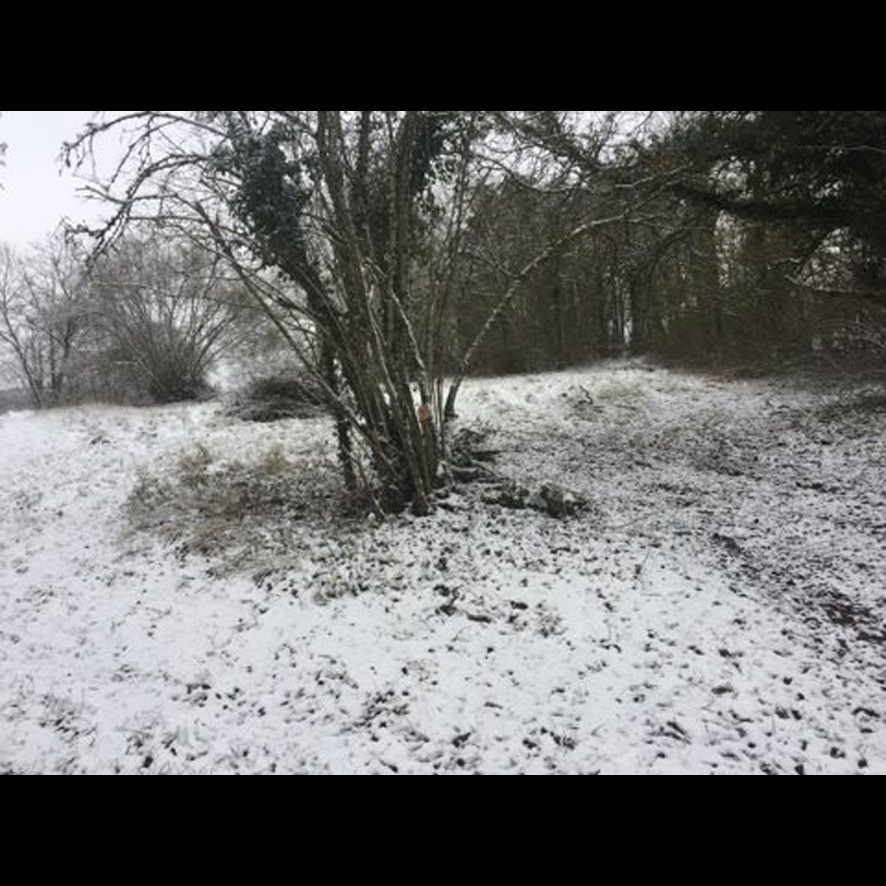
[35, 193]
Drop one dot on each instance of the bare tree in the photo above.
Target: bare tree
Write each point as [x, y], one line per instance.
[161, 312]
[43, 306]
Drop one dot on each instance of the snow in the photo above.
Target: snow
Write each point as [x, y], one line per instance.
[178, 593]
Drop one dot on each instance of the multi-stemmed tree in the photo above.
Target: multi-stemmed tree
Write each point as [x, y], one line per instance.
[347, 228]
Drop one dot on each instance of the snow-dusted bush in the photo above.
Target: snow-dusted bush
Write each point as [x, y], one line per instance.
[279, 396]
[163, 312]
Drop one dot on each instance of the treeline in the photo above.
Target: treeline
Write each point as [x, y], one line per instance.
[140, 324]
[760, 238]
[765, 244]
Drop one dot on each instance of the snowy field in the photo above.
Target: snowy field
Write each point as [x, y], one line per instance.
[179, 595]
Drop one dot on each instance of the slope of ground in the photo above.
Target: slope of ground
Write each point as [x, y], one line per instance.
[178, 594]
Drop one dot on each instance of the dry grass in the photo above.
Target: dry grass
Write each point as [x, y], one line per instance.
[235, 513]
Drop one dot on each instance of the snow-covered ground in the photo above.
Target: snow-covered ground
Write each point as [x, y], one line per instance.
[178, 594]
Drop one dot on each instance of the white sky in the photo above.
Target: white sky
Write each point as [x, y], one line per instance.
[36, 194]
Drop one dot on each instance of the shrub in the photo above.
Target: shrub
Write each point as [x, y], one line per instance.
[278, 397]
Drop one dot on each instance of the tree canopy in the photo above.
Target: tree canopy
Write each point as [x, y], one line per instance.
[817, 172]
